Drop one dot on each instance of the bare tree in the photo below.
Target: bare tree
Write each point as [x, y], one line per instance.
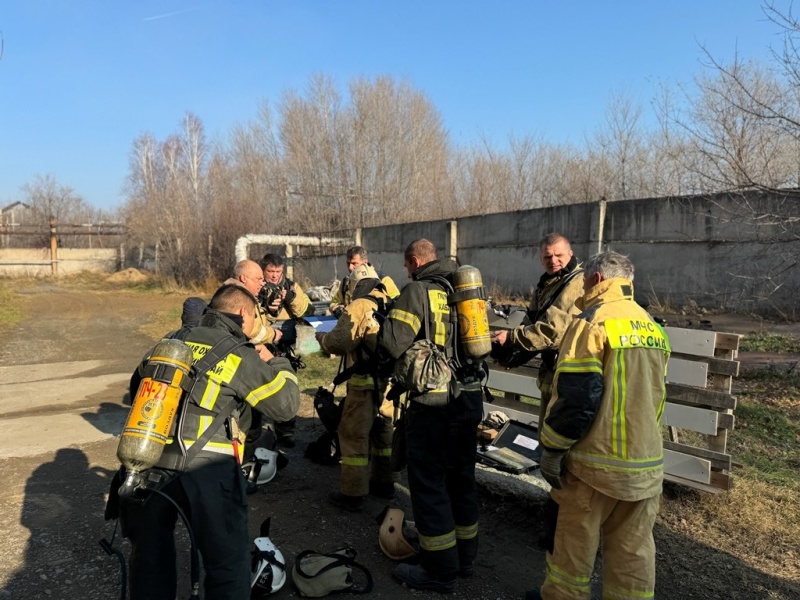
[167, 199]
[740, 132]
[47, 198]
[257, 182]
[619, 152]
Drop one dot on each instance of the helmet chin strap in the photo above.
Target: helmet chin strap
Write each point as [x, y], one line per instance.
[269, 565]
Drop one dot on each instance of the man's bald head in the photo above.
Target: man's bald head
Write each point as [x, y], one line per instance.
[250, 274]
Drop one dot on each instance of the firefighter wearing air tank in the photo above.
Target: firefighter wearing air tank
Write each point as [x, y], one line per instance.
[211, 489]
[602, 440]
[365, 431]
[441, 430]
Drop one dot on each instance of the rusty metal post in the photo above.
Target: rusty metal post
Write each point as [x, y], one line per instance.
[53, 247]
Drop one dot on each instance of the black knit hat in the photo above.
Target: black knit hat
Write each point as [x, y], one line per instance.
[192, 311]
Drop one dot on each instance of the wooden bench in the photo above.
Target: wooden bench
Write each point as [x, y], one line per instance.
[697, 416]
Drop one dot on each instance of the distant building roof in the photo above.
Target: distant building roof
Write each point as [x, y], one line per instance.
[14, 205]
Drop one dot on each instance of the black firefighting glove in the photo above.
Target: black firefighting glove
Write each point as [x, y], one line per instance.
[291, 293]
[552, 465]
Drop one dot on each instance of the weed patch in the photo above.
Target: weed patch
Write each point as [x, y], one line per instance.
[769, 342]
[11, 306]
[320, 371]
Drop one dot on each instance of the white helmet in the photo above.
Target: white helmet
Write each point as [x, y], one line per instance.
[268, 566]
[263, 466]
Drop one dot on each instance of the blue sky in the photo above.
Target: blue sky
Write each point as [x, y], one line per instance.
[81, 79]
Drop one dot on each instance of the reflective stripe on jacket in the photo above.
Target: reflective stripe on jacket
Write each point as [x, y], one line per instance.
[241, 377]
[404, 324]
[609, 394]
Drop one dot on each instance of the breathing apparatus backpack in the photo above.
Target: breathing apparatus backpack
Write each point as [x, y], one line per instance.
[158, 411]
[425, 367]
[157, 414]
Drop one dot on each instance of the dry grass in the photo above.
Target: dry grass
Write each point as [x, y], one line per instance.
[758, 520]
[160, 323]
[12, 309]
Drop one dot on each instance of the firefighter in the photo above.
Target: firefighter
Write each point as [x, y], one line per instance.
[441, 431]
[249, 275]
[293, 302]
[552, 308]
[211, 489]
[289, 302]
[602, 442]
[365, 432]
[357, 256]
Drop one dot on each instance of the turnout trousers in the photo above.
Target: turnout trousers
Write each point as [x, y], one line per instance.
[212, 496]
[441, 445]
[550, 512]
[365, 440]
[629, 553]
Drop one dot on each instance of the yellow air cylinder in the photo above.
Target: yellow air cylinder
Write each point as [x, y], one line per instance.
[473, 322]
[154, 409]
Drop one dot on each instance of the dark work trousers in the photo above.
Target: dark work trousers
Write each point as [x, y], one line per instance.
[441, 445]
[212, 495]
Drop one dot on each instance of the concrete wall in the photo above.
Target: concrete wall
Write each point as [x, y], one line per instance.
[719, 251]
[25, 262]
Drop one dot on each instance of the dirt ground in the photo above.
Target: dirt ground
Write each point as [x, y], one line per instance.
[59, 448]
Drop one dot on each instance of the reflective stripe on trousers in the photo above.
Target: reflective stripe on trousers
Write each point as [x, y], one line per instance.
[365, 438]
[629, 558]
[441, 445]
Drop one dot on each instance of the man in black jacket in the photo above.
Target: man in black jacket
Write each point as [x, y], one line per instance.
[211, 490]
[441, 431]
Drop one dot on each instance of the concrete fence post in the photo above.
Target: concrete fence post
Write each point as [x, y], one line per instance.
[601, 221]
[451, 240]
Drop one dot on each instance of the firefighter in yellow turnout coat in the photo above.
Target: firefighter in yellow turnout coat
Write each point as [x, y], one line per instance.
[357, 256]
[603, 450]
[365, 433]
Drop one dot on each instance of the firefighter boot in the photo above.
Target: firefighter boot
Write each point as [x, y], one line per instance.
[416, 577]
[351, 503]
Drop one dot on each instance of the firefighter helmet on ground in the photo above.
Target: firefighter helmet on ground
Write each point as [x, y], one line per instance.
[268, 566]
[391, 536]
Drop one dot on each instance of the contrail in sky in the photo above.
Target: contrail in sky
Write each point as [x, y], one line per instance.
[177, 12]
